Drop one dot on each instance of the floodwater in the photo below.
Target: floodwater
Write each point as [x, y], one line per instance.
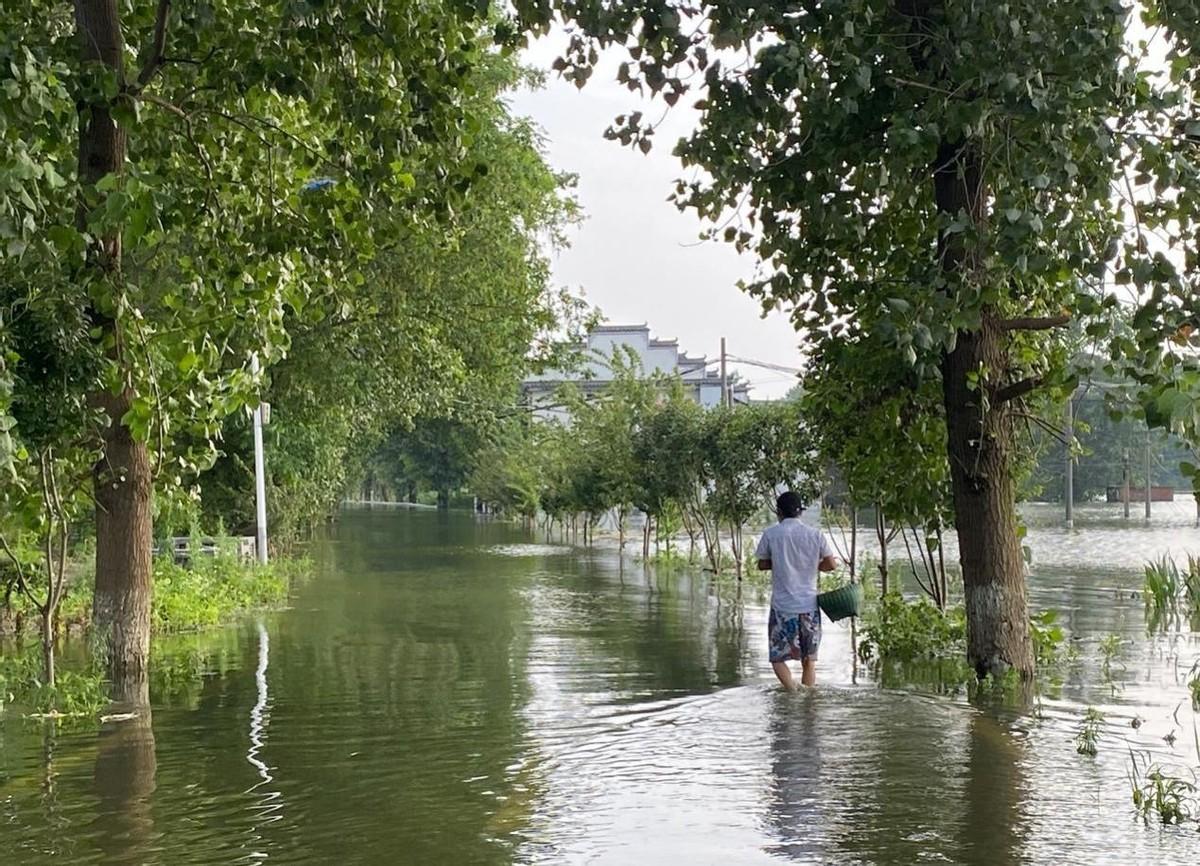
[449, 691]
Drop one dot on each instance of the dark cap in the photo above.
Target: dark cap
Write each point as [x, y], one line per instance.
[789, 504]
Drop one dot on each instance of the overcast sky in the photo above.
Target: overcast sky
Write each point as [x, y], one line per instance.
[636, 256]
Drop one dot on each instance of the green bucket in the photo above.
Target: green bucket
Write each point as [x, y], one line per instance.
[841, 602]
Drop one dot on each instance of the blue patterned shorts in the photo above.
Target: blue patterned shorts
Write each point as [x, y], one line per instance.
[794, 636]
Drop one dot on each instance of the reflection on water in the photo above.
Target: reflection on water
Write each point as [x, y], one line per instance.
[125, 780]
[269, 801]
[452, 691]
[994, 824]
[798, 801]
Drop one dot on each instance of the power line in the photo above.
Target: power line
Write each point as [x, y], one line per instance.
[766, 365]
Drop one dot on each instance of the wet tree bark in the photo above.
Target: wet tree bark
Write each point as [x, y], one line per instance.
[122, 477]
[121, 607]
[979, 437]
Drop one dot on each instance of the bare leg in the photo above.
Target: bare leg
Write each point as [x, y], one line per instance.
[785, 675]
[809, 676]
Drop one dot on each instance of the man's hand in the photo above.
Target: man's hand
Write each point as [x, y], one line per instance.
[829, 563]
[764, 565]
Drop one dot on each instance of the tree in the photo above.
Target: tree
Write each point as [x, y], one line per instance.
[606, 475]
[510, 470]
[1103, 444]
[881, 426]
[751, 453]
[441, 453]
[668, 464]
[441, 329]
[941, 173]
[158, 205]
[41, 502]
[671, 450]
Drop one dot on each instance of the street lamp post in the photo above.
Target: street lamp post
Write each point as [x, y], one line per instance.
[1069, 475]
[1125, 479]
[260, 477]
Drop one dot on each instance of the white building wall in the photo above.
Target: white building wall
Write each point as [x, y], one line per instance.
[656, 356]
[709, 394]
[660, 359]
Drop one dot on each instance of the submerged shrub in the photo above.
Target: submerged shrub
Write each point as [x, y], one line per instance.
[213, 589]
[75, 693]
[908, 631]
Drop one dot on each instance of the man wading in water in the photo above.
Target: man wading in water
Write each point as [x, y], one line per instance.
[794, 553]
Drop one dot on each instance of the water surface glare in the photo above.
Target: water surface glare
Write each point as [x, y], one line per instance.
[450, 691]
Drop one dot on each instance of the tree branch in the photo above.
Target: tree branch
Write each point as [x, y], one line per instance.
[1053, 431]
[21, 582]
[1034, 323]
[192, 61]
[23, 585]
[162, 103]
[1016, 389]
[158, 48]
[905, 82]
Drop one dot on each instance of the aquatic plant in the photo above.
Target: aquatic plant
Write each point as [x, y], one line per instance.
[1110, 649]
[1194, 688]
[1089, 732]
[75, 693]
[212, 590]
[669, 560]
[1162, 583]
[1191, 584]
[906, 631]
[1048, 636]
[1161, 794]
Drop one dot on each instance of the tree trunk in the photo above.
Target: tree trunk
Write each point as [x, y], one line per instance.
[443, 500]
[121, 606]
[979, 436]
[48, 645]
[122, 477]
[881, 524]
[853, 543]
[979, 446]
[735, 546]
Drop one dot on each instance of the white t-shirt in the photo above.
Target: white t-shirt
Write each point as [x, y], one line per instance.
[795, 551]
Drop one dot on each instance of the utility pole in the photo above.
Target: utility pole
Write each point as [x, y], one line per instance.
[260, 476]
[1125, 479]
[724, 379]
[1069, 477]
[1148, 494]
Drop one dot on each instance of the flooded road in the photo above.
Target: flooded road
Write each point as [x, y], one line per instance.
[447, 691]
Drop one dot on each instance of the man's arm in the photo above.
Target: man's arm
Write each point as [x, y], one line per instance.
[763, 553]
[828, 561]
